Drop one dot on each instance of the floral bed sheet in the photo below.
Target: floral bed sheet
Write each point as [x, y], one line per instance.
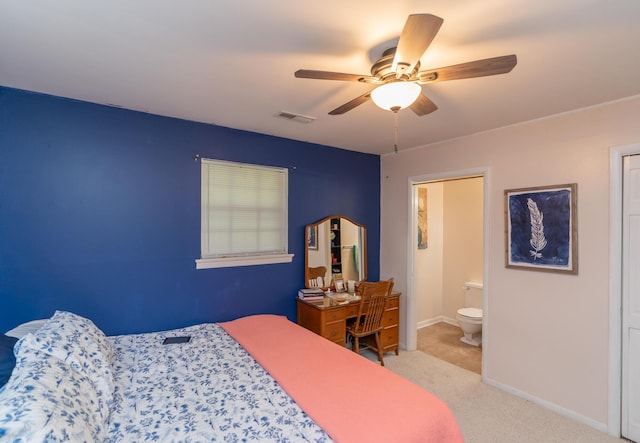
[209, 389]
[72, 383]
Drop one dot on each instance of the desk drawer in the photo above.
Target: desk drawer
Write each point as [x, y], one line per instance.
[389, 337]
[352, 310]
[334, 332]
[333, 315]
[391, 317]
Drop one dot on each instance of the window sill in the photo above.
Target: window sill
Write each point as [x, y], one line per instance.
[228, 262]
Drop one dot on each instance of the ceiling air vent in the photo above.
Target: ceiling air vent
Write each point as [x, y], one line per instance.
[295, 117]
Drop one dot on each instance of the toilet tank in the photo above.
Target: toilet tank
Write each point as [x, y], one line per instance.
[473, 294]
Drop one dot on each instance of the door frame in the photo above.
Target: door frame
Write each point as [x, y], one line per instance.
[410, 325]
[615, 285]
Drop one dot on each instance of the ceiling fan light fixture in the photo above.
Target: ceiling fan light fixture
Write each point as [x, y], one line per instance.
[396, 95]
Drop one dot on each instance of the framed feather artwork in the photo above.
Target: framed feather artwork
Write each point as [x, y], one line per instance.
[541, 228]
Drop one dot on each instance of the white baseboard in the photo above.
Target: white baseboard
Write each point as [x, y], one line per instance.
[438, 319]
[429, 322]
[573, 415]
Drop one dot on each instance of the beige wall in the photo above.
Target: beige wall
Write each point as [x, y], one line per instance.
[454, 255]
[546, 333]
[462, 258]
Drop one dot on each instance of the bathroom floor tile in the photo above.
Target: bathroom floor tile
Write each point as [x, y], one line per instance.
[442, 341]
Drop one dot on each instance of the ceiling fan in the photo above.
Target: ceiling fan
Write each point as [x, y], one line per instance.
[398, 73]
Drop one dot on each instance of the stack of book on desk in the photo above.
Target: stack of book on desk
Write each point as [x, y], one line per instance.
[311, 294]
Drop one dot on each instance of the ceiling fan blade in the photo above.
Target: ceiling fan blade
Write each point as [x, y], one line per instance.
[418, 33]
[326, 75]
[423, 105]
[348, 106]
[478, 68]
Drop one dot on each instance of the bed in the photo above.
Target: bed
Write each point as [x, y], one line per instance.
[257, 378]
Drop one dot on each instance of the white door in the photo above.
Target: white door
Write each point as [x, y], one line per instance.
[631, 299]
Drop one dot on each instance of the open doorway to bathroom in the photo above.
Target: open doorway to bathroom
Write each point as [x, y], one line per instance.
[448, 256]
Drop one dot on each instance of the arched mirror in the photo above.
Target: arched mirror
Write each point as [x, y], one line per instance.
[336, 248]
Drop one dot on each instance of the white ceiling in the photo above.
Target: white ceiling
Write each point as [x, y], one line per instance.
[231, 62]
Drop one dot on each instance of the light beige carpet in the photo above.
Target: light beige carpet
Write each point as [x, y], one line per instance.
[486, 414]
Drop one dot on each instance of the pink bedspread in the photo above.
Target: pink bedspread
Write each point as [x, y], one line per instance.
[350, 397]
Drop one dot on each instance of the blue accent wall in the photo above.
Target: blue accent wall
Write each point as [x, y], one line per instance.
[100, 215]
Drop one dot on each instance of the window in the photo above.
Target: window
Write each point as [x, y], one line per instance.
[243, 215]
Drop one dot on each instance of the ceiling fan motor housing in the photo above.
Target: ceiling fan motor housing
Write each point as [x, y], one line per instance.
[382, 67]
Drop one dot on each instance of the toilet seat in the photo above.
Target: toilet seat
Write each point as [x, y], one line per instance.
[471, 313]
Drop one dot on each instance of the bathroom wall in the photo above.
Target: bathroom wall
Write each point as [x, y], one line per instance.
[462, 252]
[454, 254]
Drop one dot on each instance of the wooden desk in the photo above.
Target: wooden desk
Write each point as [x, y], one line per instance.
[329, 319]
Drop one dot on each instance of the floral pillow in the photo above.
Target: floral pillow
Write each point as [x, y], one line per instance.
[46, 400]
[78, 342]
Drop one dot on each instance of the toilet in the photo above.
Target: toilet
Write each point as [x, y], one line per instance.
[470, 317]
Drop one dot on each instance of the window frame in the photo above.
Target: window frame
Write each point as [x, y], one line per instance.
[223, 261]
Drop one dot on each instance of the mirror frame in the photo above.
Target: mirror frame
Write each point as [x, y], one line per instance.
[306, 248]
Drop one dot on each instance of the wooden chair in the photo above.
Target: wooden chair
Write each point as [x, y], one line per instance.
[317, 276]
[373, 302]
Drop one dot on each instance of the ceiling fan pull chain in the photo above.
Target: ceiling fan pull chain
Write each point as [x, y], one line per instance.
[395, 145]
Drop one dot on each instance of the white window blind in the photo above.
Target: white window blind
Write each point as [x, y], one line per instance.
[244, 214]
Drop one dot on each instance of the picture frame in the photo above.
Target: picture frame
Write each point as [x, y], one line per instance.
[422, 219]
[339, 284]
[541, 231]
[312, 237]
